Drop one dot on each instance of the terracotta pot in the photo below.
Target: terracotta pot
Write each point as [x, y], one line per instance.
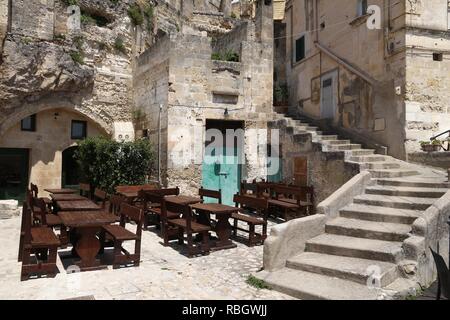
[431, 148]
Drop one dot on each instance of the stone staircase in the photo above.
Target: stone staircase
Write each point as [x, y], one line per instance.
[365, 241]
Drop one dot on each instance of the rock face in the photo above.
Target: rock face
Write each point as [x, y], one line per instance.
[31, 70]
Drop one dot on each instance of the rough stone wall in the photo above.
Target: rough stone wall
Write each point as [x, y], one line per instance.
[427, 93]
[279, 54]
[372, 110]
[33, 18]
[4, 15]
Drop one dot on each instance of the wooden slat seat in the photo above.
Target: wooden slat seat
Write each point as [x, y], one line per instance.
[120, 233]
[170, 214]
[53, 220]
[43, 237]
[247, 219]
[196, 227]
[285, 204]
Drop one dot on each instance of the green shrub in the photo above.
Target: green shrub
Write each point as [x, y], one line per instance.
[71, 2]
[256, 283]
[78, 41]
[77, 57]
[233, 15]
[135, 14]
[107, 164]
[87, 19]
[228, 55]
[119, 45]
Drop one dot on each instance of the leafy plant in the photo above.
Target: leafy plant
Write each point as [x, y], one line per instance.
[281, 93]
[233, 15]
[436, 142]
[228, 55]
[60, 37]
[78, 41]
[256, 283]
[71, 2]
[26, 40]
[135, 14]
[87, 19]
[107, 164]
[77, 57]
[119, 45]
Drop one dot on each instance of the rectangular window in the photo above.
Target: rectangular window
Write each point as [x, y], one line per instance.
[29, 123]
[300, 49]
[79, 130]
[362, 7]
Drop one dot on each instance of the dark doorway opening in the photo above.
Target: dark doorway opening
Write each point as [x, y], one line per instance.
[14, 173]
[71, 172]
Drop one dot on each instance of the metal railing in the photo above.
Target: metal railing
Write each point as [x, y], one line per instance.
[440, 135]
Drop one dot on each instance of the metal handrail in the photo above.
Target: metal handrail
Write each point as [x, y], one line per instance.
[441, 134]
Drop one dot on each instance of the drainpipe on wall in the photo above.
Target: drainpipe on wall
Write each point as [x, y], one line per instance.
[159, 143]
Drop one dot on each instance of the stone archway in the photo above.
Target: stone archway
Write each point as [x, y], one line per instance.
[29, 109]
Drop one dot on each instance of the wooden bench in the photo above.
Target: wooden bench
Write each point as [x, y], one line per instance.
[120, 234]
[261, 208]
[40, 241]
[301, 196]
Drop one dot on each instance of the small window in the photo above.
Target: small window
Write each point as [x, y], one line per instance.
[79, 130]
[300, 49]
[438, 57]
[29, 123]
[362, 7]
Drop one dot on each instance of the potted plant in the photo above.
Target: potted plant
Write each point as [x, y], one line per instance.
[431, 146]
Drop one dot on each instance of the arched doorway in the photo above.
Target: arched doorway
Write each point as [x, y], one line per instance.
[71, 173]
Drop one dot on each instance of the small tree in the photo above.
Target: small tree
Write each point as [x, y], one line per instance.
[107, 164]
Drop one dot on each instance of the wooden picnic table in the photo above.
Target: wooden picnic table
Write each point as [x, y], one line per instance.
[222, 228]
[86, 225]
[132, 192]
[183, 200]
[79, 205]
[61, 191]
[67, 197]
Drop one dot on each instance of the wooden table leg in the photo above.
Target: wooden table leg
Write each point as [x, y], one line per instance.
[87, 248]
[223, 230]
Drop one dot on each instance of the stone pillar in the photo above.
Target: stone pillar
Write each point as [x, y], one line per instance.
[264, 20]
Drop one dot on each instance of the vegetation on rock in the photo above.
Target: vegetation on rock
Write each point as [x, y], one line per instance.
[228, 55]
[119, 45]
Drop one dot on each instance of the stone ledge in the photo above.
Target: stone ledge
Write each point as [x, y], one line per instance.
[9, 209]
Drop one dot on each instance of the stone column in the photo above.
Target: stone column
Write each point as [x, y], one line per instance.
[4, 14]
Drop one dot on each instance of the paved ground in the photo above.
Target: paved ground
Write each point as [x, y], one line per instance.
[164, 273]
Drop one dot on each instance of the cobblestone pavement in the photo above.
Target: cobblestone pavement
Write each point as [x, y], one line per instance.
[164, 273]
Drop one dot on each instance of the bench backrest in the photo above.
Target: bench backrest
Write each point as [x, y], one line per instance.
[85, 190]
[100, 196]
[166, 192]
[258, 204]
[210, 194]
[132, 213]
[115, 203]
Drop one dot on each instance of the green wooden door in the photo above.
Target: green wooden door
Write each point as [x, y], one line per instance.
[14, 169]
[274, 162]
[222, 172]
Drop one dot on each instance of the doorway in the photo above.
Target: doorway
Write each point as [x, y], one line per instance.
[328, 99]
[222, 167]
[14, 173]
[71, 172]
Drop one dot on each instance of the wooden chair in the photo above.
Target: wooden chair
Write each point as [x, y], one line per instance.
[115, 202]
[85, 190]
[35, 191]
[120, 234]
[154, 206]
[40, 241]
[100, 197]
[184, 225]
[260, 205]
[443, 276]
[264, 189]
[48, 219]
[248, 189]
[147, 202]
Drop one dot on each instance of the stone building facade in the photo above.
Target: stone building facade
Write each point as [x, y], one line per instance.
[180, 92]
[386, 87]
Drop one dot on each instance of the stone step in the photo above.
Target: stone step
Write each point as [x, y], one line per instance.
[346, 268]
[379, 214]
[407, 191]
[367, 158]
[412, 203]
[371, 249]
[342, 147]
[311, 286]
[362, 152]
[368, 229]
[327, 137]
[412, 183]
[337, 142]
[392, 173]
[380, 165]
